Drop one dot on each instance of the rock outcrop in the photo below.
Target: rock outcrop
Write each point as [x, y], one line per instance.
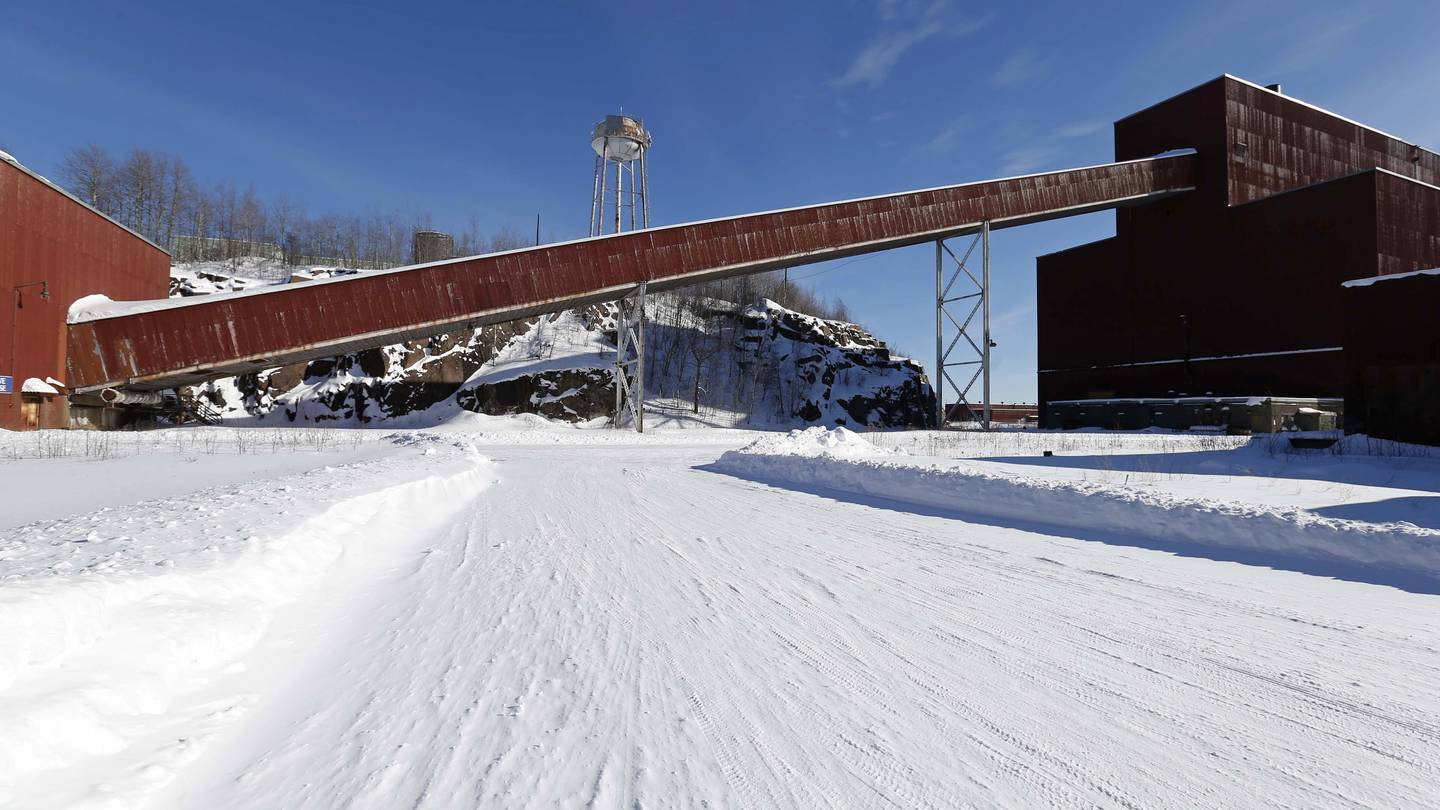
[760, 364]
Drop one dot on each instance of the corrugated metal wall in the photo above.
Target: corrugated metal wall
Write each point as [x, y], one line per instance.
[45, 236]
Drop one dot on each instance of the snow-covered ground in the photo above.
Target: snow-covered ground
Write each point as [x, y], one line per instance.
[505, 612]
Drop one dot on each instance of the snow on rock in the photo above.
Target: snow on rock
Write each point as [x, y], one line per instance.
[1104, 508]
[208, 279]
[832, 372]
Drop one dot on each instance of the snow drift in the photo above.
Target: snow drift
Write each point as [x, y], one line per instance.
[114, 676]
[843, 461]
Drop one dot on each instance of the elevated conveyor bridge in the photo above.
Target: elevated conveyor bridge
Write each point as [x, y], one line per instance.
[164, 344]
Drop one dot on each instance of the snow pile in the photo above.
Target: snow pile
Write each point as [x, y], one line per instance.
[1092, 507]
[124, 650]
[90, 307]
[816, 442]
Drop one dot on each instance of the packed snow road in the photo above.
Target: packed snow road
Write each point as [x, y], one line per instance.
[622, 625]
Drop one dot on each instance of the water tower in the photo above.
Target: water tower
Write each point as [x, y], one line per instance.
[622, 142]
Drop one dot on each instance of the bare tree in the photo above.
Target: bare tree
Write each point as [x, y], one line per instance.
[89, 173]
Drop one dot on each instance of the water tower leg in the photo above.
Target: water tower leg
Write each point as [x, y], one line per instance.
[644, 193]
[600, 218]
[595, 195]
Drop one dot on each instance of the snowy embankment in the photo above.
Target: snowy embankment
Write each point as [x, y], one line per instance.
[841, 460]
[126, 635]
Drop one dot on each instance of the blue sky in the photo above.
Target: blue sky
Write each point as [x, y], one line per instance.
[482, 110]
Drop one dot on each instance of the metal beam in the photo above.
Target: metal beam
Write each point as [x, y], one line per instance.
[978, 354]
[630, 360]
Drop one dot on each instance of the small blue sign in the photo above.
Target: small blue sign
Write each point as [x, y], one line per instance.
[7, 384]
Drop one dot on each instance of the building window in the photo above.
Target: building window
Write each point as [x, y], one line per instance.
[1242, 151]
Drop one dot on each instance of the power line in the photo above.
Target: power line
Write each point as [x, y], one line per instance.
[836, 267]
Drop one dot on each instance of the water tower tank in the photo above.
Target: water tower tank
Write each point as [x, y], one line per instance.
[620, 138]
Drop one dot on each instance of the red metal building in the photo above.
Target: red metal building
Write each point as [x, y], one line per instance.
[53, 250]
[1235, 288]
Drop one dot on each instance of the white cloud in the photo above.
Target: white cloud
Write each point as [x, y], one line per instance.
[1019, 67]
[875, 61]
[1028, 158]
[1080, 129]
[872, 65]
[944, 140]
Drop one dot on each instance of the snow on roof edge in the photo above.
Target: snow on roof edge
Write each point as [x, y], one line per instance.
[1370, 280]
[35, 385]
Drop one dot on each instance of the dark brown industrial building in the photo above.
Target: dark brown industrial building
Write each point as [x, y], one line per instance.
[1392, 357]
[1235, 288]
[53, 250]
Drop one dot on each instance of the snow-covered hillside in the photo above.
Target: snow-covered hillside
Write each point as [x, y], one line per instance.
[759, 365]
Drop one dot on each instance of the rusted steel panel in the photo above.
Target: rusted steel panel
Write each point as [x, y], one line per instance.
[1291, 144]
[50, 242]
[1408, 223]
[182, 343]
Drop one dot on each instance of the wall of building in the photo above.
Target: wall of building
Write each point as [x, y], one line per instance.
[50, 240]
[1392, 359]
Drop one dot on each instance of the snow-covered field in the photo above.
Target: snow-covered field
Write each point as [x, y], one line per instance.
[504, 612]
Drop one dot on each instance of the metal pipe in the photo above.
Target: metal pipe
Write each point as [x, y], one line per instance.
[604, 171]
[118, 396]
[619, 192]
[644, 190]
[633, 187]
[985, 305]
[594, 194]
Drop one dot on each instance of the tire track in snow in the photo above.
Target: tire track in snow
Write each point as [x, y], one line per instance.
[612, 627]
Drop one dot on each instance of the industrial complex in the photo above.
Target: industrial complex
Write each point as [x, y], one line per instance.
[1234, 290]
[1240, 213]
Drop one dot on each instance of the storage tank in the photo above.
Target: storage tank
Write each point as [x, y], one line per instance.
[620, 142]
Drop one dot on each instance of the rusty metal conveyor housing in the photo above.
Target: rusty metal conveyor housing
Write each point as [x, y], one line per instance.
[190, 340]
